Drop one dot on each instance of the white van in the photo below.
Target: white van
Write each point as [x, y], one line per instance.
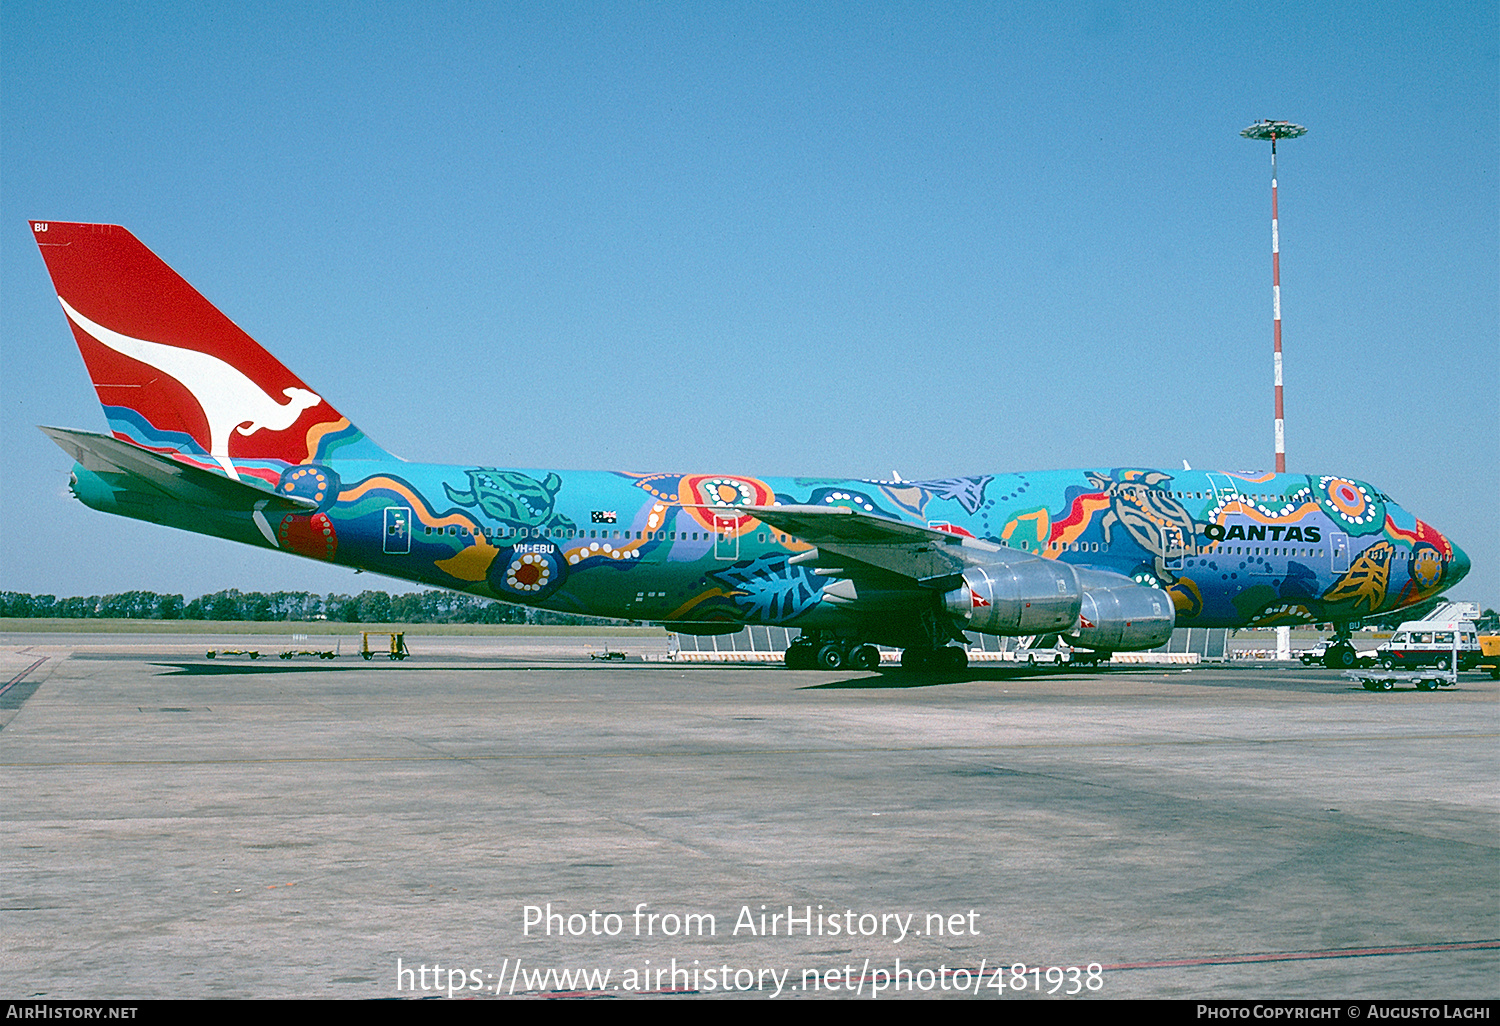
[1430, 643]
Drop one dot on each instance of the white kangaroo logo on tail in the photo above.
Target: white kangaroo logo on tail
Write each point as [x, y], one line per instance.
[230, 400]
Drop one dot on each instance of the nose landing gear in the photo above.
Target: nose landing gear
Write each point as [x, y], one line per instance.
[1341, 654]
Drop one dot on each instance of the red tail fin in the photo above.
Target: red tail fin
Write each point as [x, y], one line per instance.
[173, 373]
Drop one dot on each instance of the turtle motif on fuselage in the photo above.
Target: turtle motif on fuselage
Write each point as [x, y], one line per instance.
[513, 498]
[1154, 520]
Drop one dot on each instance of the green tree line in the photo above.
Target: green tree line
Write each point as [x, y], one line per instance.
[233, 604]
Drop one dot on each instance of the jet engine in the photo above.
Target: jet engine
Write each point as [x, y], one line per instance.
[1094, 608]
[1027, 596]
[1118, 615]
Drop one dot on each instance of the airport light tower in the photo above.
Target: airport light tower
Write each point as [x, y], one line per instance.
[1261, 131]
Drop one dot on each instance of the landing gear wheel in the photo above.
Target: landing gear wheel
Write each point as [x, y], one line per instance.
[1341, 657]
[865, 657]
[915, 658]
[953, 658]
[800, 657]
[830, 657]
[1426, 685]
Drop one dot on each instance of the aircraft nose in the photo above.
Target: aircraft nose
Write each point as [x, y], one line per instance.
[1458, 566]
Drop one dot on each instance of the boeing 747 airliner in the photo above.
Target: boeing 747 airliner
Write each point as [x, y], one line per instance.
[210, 433]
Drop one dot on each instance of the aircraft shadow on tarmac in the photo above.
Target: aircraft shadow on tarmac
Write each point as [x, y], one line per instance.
[246, 669]
[885, 679]
[879, 679]
[1295, 680]
[931, 678]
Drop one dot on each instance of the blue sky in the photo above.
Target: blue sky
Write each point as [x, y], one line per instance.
[775, 238]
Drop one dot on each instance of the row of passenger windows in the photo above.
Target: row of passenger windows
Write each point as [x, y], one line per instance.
[1228, 550]
[566, 533]
[1265, 550]
[1247, 498]
[563, 532]
[1230, 495]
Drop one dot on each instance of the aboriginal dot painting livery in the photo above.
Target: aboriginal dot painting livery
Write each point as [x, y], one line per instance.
[210, 433]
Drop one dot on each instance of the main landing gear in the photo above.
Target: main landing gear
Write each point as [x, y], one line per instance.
[819, 650]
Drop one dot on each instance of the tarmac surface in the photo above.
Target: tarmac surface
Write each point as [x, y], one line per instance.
[174, 826]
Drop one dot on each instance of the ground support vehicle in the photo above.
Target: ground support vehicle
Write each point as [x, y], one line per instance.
[1419, 643]
[397, 649]
[1424, 680]
[1045, 656]
[1489, 657]
[1336, 655]
[1386, 680]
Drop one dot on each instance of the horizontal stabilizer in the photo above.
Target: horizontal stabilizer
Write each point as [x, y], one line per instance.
[176, 481]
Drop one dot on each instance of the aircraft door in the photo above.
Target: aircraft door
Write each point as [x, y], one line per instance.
[1174, 544]
[1339, 547]
[1224, 488]
[1173, 559]
[726, 537]
[397, 530]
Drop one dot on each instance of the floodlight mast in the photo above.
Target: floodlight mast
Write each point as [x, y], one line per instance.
[1261, 131]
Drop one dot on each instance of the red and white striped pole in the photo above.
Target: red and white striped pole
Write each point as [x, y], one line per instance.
[1273, 130]
[1276, 304]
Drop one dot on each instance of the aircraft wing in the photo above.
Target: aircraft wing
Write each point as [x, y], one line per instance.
[177, 482]
[848, 542]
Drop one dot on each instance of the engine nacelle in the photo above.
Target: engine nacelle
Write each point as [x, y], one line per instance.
[1119, 615]
[1093, 608]
[1028, 596]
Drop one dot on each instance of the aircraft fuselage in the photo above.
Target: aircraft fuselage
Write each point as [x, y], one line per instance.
[1229, 549]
